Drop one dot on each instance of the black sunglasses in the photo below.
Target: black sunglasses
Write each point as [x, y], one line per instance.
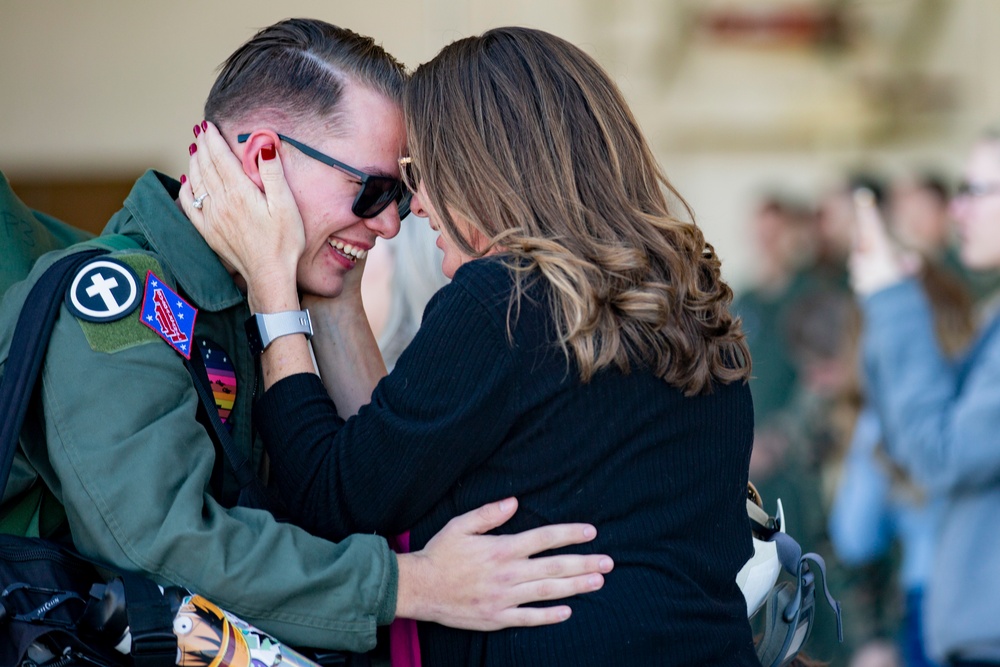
[976, 190]
[376, 193]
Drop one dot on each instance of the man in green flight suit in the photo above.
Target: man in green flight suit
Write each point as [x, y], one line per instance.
[117, 440]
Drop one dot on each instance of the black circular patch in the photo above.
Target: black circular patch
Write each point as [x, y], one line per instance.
[104, 290]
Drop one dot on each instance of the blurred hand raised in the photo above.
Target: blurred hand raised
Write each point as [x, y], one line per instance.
[875, 261]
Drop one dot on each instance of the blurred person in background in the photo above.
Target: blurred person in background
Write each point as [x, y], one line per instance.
[810, 424]
[785, 242]
[877, 502]
[797, 442]
[784, 245]
[920, 219]
[943, 418]
[834, 222]
[876, 653]
[802, 273]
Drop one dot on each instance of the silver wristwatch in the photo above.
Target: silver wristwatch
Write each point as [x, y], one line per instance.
[264, 328]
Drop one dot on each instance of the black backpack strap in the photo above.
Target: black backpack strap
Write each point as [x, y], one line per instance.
[151, 622]
[253, 493]
[250, 484]
[27, 350]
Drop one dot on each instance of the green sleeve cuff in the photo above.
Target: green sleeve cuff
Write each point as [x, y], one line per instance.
[387, 609]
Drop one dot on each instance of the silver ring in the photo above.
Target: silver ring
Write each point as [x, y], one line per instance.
[198, 201]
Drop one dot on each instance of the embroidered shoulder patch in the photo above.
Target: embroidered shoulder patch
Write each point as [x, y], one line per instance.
[222, 376]
[168, 315]
[114, 336]
[103, 290]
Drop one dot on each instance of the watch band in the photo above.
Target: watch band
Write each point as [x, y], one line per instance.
[263, 328]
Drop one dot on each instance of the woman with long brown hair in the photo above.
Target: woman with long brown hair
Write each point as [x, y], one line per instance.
[583, 359]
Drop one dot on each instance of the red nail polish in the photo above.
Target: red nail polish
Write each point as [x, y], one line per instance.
[183, 179]
[192, 148]
[267, 152]
[197, 130]
[204, 125]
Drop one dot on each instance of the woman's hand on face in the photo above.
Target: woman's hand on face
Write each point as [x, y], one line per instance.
[347, 302]
[876, 262]
[352, 282]
[259, 234]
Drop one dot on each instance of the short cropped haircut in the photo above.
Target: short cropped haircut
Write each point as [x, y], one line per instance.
[299, 67]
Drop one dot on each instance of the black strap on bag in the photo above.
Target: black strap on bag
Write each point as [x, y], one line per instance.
[151, 622]
[28, 347]
[154, 644]
[252, 492]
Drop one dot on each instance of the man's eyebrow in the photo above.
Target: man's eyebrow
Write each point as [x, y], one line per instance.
[379, 171]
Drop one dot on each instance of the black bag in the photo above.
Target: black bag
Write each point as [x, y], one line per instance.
[47, 592]
[47, 609]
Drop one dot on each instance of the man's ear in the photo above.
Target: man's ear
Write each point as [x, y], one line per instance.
[251, 152]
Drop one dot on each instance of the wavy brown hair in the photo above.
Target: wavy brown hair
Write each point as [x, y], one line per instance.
[524, 137]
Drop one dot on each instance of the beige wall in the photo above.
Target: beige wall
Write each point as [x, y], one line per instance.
[112, 87]
[117, 84]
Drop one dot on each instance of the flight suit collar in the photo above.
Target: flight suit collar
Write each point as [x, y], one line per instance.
[193, 264]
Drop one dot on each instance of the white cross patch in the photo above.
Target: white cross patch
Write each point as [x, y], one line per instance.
[104, 290]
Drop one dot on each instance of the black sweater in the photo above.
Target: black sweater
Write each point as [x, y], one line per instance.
[468, 417]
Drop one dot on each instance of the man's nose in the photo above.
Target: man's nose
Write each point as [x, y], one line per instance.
[958, 207]
[386, 223]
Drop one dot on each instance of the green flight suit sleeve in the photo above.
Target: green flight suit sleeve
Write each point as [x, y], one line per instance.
[132, 466]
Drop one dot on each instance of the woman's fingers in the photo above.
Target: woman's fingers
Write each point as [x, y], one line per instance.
[185, 197]
[221, 169]
[244, 210]
[280, 201]
[191, 188]
[870, 232]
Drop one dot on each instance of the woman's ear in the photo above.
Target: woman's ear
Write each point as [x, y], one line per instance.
[257, 140]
